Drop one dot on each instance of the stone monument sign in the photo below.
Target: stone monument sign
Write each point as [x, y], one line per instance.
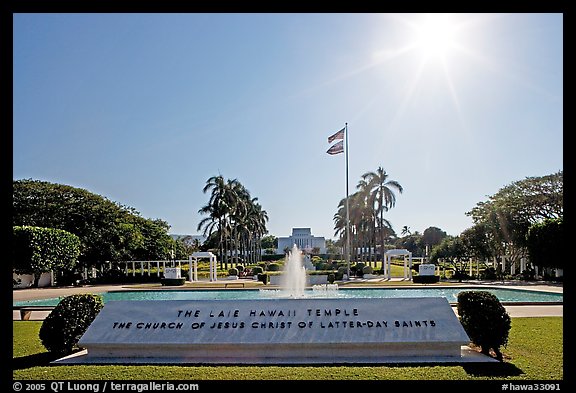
[274, 331]
[172, 272]
[426, 269]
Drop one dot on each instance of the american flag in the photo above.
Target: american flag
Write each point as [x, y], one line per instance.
[336, 148]
[338, 135]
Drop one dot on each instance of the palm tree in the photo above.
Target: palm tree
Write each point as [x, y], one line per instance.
[217, 210]
[382, 197]
[237, 218]
[369, 216]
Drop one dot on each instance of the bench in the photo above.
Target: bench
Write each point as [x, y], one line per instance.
[26, 311]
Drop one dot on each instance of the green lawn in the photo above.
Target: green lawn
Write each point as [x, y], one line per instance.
[534, 352]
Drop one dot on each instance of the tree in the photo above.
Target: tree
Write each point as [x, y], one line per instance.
[381, 191]
[412, 243]
[531, 200]
[269, 241]
[507, 215]
[433, 236]
[39, 250]
[236, 217]
[452, 250]
[545, 239]
[108, 231]
[477, 242]
[218, 210]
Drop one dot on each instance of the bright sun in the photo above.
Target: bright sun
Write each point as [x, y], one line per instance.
[435, 36]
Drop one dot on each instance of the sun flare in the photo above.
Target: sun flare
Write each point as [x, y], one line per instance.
[435, 36]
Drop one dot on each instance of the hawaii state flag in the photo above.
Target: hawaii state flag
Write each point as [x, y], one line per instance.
[336, 148]
[338, 135]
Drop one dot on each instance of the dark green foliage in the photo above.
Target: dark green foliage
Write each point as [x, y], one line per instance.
[173, 281]
[108, 231]
[425, 279]
[37, 250]
[264, 278]
[257, 270]
[233, 271]
[342, 270]
[489, 274]
[271, 257]
[367, 270]
[66, 324]
[331, 278]
[546, 239]
[273, 267]
[485, 320]
[323, 266]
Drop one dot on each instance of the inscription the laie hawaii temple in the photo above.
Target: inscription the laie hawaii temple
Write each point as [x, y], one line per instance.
[232, 320]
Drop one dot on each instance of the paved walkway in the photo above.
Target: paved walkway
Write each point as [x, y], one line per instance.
[514, 311]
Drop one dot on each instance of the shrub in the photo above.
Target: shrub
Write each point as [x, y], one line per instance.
[257, 270]
[358, 269]
[68, 321]
[37, 250]
[233, 272]
[485, 320]
[331, 278]
[273, 267]
[425, 279]
[342, 270]
[173, 281]
[488, 274]
[367, 270]
[316, 259]
[264, 278]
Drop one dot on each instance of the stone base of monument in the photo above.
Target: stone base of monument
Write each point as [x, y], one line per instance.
[276, 331]
[467, 355]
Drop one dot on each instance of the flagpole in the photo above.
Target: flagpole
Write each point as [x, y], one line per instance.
[347, 209]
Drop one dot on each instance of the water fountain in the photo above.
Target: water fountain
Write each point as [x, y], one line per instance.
[293, 281]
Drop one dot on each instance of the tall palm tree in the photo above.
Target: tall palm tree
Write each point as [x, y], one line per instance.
[217, 210]
[238, 199]
[237, 218]
[259, 217]
[382, 196]
[369, 215]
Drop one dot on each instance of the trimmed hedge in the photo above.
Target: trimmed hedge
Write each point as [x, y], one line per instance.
[273, 267]
[37, 250]
[425, 279]
[68, 321]
[485, 320]
[173, 281]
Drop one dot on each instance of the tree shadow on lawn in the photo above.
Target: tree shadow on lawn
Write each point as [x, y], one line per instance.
[500, 369]
[492, 369]
[36, 360]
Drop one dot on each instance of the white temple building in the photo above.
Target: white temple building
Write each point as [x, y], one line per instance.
[304, 239]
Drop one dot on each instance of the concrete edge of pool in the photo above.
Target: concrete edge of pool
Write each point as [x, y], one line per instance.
[515, 309]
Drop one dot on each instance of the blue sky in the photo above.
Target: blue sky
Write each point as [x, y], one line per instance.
[144, 108]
